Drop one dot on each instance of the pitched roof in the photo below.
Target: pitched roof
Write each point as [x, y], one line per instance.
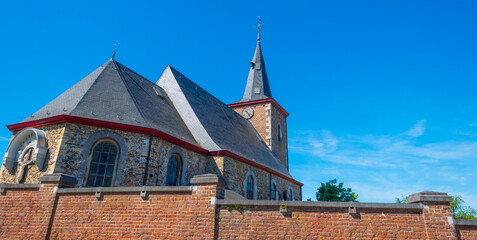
[117, 94]
[214, 125]
[176, 106]
[257, 83]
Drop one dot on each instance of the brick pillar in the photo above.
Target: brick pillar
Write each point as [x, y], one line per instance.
[437, 214]
[49, 200]
[209, 188]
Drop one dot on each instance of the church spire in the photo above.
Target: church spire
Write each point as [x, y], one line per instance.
[257, 83]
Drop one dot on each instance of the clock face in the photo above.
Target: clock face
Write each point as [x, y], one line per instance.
[247, 112]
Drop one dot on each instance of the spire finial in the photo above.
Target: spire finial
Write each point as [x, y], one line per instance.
[259, 27]
[114, 52]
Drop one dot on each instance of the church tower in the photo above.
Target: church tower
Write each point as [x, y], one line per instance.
[259, 107]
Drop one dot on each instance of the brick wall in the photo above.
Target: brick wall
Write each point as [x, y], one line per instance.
[313, 223]
[192, 212]
[183, 212]
[466, 229]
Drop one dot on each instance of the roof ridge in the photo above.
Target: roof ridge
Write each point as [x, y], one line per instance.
[90, 87]
[129, 91]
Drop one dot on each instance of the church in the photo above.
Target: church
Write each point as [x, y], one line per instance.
[118, 156]
[115, 128]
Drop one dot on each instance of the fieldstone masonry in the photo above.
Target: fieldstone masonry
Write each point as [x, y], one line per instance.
[70, 147]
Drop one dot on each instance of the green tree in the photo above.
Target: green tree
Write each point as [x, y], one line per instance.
[333, 192]
[401, 200]
[460, 210]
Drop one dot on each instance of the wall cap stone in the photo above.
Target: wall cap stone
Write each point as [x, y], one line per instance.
[232, 195]
[429, 196]
[246, 202]
[465, 222]
[126, 189]
[206, 179]
[58, 178]
[19, 186]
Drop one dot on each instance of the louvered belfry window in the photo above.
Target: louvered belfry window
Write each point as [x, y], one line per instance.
[250, 185]
[174, 169]
[102, 165]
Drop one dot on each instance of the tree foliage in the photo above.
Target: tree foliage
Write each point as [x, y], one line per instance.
[333, 192]
[460, 210]
[401, 200]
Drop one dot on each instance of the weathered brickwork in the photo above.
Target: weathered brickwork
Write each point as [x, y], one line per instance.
[319, 223]
[54, 134]
[26, 213]
[266, 119]
[47, 213]
[467, 232]
[43, 214]
[235, 171]
[279, 147]
[260, 118]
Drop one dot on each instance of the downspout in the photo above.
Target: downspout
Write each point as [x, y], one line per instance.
[146, 171]
[270, 185]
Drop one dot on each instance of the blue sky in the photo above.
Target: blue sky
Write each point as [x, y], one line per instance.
[381, 93]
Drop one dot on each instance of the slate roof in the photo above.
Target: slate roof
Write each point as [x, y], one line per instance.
[223, 126]
[117, 94]
[257, 82]
[183, 110]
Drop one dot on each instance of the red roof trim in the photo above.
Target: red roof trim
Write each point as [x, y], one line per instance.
[244, 160]
[143, 130]
[105, 124]
[260, 101]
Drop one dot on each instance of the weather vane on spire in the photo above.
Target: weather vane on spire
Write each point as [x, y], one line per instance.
[259, 27]
[114, 52]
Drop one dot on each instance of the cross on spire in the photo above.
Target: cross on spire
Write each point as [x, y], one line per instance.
[114, 52]
[259, 27]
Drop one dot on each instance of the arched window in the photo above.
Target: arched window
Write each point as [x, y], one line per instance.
[250, 187]
[279, 132]
[102, 164]
[174, 170]
[273, 191]
[290, 194]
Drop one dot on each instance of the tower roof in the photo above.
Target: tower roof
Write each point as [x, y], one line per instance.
[257, 83]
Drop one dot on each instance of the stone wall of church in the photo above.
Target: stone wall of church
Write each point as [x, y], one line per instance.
[54, 135]
[235, 172]
[193, 163]
[132, 167]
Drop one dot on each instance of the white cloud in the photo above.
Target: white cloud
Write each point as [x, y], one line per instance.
[382, 167]
[417, 130]
[383, 150]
